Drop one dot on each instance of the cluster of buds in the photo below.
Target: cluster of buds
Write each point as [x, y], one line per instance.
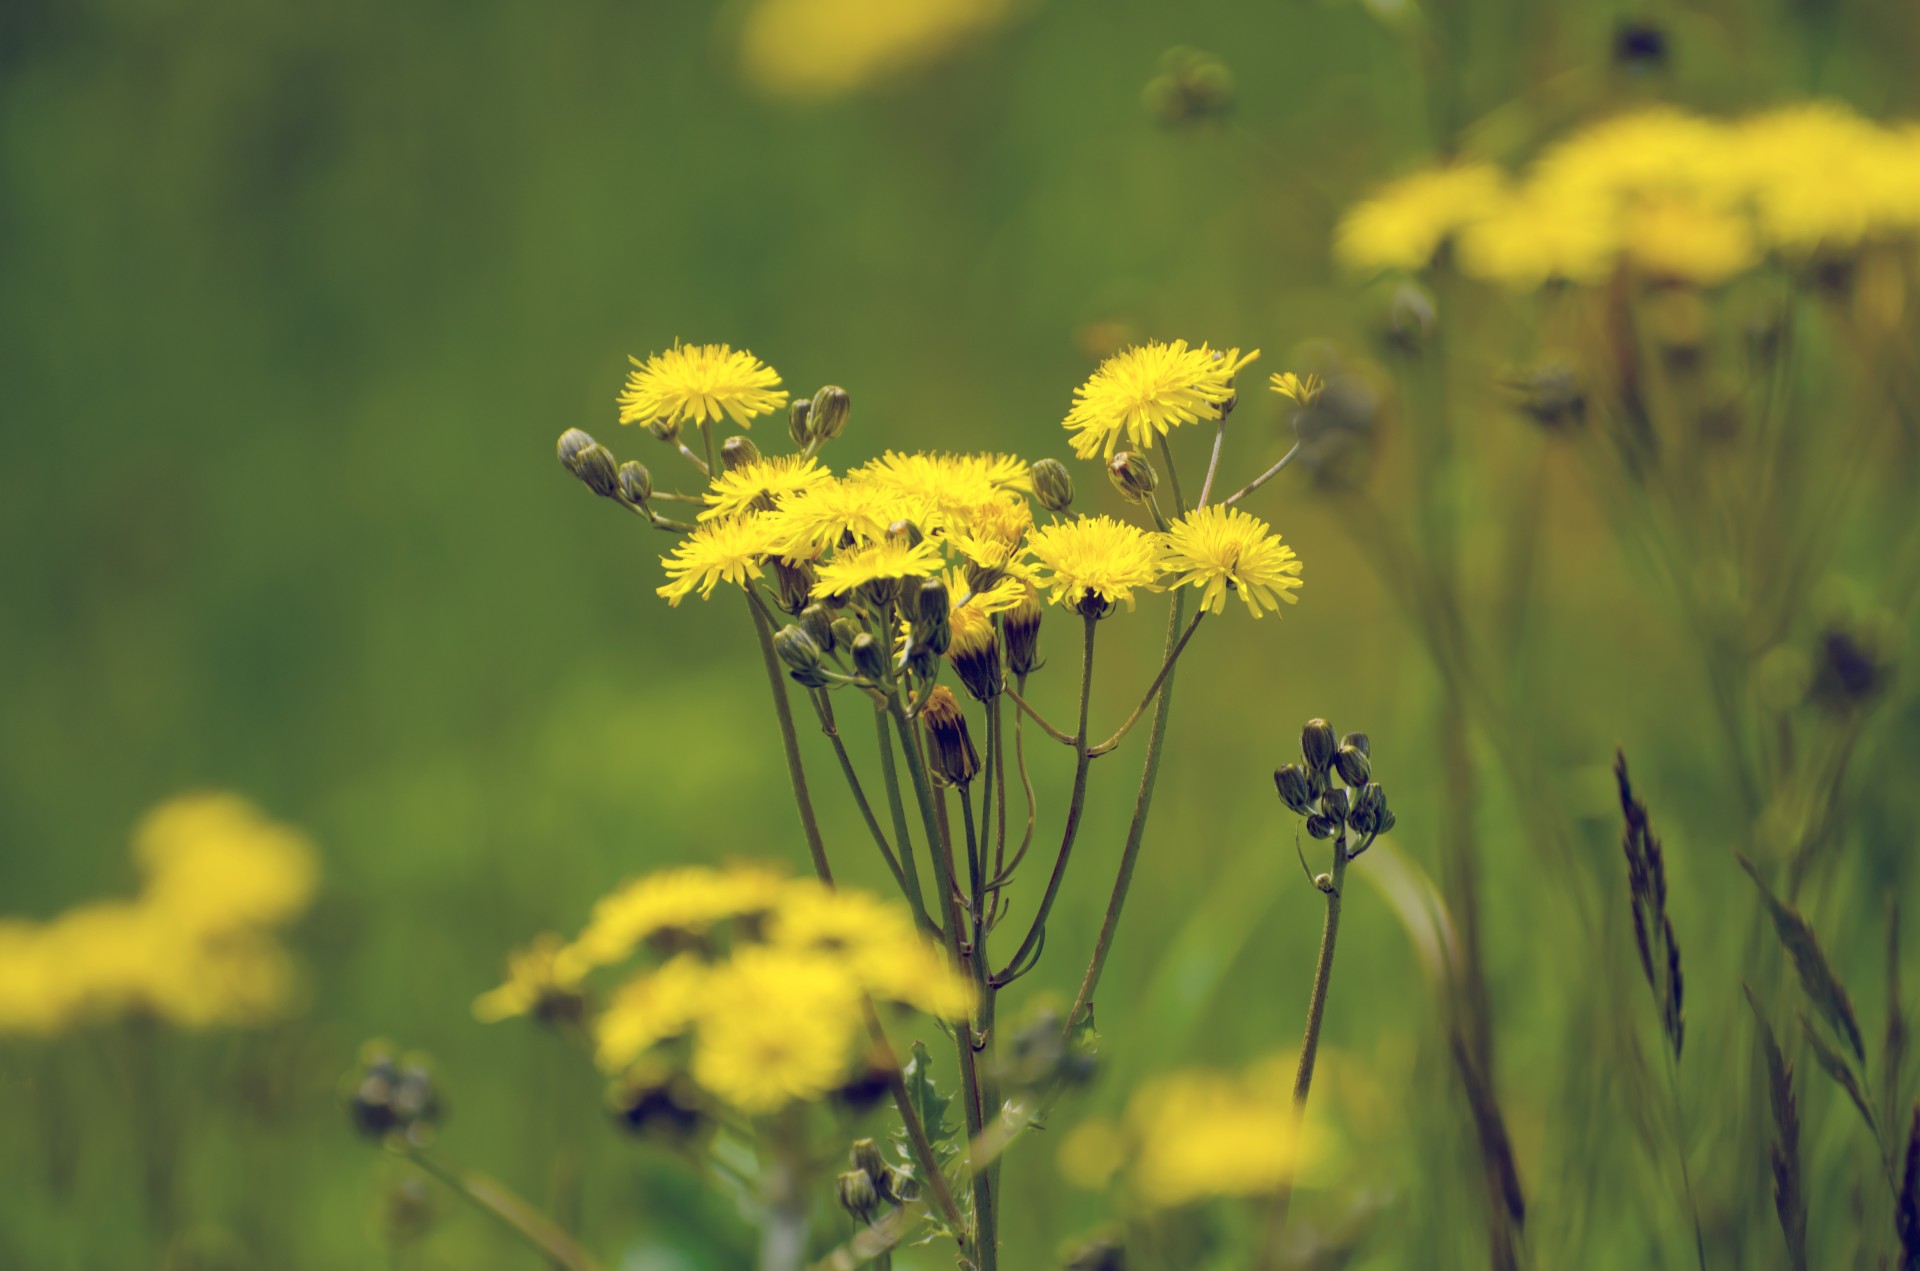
[387, 1096]
[813, 423]
[872, 1187]
[594, 466]
[665, 1107]
[1333, 788]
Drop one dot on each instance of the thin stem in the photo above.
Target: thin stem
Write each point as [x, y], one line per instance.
[1040, 719]
[713, 461]
[890, 774]
[1074, 807]
[657, 521]
[922, 1148]
[790, 741]
[1680, 1147]
[1136, 832]
[1173, 483]
[997, 741]
[1262, 479]
[516, 1214]
[695, 460]
[1213, 464]
[973, 1088]
[1153, 689]
[828, 725]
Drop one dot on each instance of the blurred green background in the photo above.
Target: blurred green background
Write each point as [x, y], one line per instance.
[293, 301]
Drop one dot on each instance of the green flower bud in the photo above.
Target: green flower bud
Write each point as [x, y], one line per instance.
[1317, 745]
[1052, 484]
[1022, 626]
[802, 656]
[636, 483]
[1368, 805]
[666, 430]
[1335, 804]
[1359, 742]
[933, 604]
[590, 461]
[905, 533]
[1291, 781]
[1321, 828]
[668, 1110]
[858, 1195]
[798, 422]
[1132, 476]
[867, 1158]
[416, 1101]
[1386, 822]
[794, 582]
[845, 632]
[1352, 764]
[828, 417]
[817, 622]
[572, 442]
[737, 453]
[869, 659]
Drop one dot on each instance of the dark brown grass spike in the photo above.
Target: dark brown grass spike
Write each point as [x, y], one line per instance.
[1789, 1200]
[1836, 1066]
[1907, 1215]
[1893, 1053]
[1816, 974]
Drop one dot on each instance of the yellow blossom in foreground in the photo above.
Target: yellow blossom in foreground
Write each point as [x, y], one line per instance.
[540, 982]
[1685, 240]
[876, 562]
[820, 516]
[700, 383]
[877, 944]
[718, 551]
[949, 492]
[762, 485]
[1097, 558]
[1146, 391]
[777, 1026]
[649, 1009]
[824, 48]
[1218, 549]
[1402, 225]
[1201, 1133]
[689, 900]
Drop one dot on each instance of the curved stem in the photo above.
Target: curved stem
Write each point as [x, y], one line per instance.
[1263, 478]
[522, 1218]
[1136, 833]
[1040, 719]
[828, 725]
[1153, 689]
[694, 459]
[1074, 806]
[790, 741]
[1213, 464]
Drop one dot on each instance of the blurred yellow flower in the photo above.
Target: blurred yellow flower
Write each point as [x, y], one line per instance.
[825, 48]
[541, 982]
[1218, 549]
[649, 1009]
[718, 551]
[1403, 224]
[1095, 560]
[687, 901]
[1201, 1133]
[1824, 178]
[877, 943]
[777, 1026]
[761, 486]
[1148, 390]
[1539, 237]
[1686, 240]
[700, 383]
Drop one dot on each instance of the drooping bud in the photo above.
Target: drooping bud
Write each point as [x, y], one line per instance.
[1052, 484]
[1132, 476]
[794, 581]
[666, 1108]
[737, 453]
[666, 430]
[802, 656]
[1022, 625]
[867, 1158]
[818, 622]
[1291, 781]
[798, 422]
[1335, 804]
[869, 659]
[636, 483]
[1353, 765]
[948, 743]
[858, 1195]
[828, 417]
[1317, 745]
[975, 653]
[590, 461]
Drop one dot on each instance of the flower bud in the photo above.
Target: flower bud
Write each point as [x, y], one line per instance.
[1317, 745]
[737, 453]
[1359, 742]
[1335, 804]
[1291, 781]
[794, 582]
[867, 1158]
[590, 461]
[571, 443]
[905, 533]
[416, 1101]
[933, 604]
[1352, 764]
[798, 423]
[948, 744]
[1321, 828]
[1052, 484]
[1410, 318]
[1132, 476]
[845, 632]
[1368, 805]
[1386, 822]
[858, 1195]
[975, 653]
[655, 1108]
[818, 622]
[828, 417]
[667, 430]
[1022, 626]
[869, 659]
[802, 656]
[636, 483]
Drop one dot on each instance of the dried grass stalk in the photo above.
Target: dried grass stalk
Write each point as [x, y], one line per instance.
[1817, 976]
[1789, 1199]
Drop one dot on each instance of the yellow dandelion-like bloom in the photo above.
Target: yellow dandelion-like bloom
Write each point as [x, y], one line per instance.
[1199, 1134]
[216, 864]
[876, 942]
[1403, 224]
[1095, 560]
[1686, 240]
[700, 383]
[718, 551]
[949, 491]
[649, 1009]
[1147, 390]
[1003, 595]
[762, 486]
[1304, 389]
[777, 1026]
[541, 981]
[679, 900]
[1822, 177]
[828, 512]
[1218, 549]
[876, 562]
[1542, 236]
[824, 48]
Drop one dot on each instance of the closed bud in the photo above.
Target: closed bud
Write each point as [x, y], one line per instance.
[667, 430]
[1368, 805]
[1335, 804]
[975, 653]
[868, 1160]
[636, 483]
[858, 1195]
[571, 443]
[667, 1109]
[416, 1101]
[370, 1105]
[1410, 318]
[1291, 781]
[798, 422]
[818, 622]
[1352, 764]
[869, 659]
[1386, 822]
[737, 453]
[933, 604]
[905, 533]
[1359, 742]
[1317, 784]
[1052, 484]
[1320, 827]
[794, 583]
[591, 462]
[828, 417]
[802, 656]
[1317, 745]
[1132, 476]
[949, 745]
[1022, 626]
[845, 632]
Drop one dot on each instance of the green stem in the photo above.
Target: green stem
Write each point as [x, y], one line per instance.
[1136, 832]
[516, 1214]
[974, 1089]
[1146, 700]
[790, 741]
[890, 774]
[932, 1177]
[1680, 1146]
[713, 462]
[828, 725]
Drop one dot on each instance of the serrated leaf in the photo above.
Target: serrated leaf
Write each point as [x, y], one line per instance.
[1841, 1071]
[924, 1096]
[1823, 987]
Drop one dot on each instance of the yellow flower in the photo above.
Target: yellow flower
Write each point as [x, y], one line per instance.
[216, 864]
[1092, 563]
[993, 537]
[821, 516]
[877, 944]
[541, 982]
[716, 552]
[1216, 549]
[777, 1026]
[762, 486]
[876, 562]
[1305, 390]
[1687, 240]
[1542, 236]
[1146, 391]
[1402, 225]
[1199, 1133]
[698, 383]
[649, 1009]
[1823, 178]
[824, 48]
[687, 900]
[949, 492]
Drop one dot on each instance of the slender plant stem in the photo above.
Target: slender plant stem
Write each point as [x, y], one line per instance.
[516, 1214]
[1213, 463]
[828, 725]
[1074, 807]
[973, 1088]
[1680, 1148]
[1166, 670]
[890, 774]
[789, 739]
[713, 460]
[997, 739]
[783, 1238]
[1136, 831]
[694, 459]
[1040, 719]
[1263, 478]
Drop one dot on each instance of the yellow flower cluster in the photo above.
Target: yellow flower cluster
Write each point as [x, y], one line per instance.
[825, 48]
[1670, 196]
[197, 947]
[761, 994]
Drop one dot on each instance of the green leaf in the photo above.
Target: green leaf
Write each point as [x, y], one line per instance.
[929, 1105]
[1841, 1071]
[1817, 976]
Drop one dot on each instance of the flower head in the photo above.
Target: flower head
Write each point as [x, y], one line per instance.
[883, 561]
[649, 1009]
[698, 383]
[540, 982]
[1095, 562]
[1147, 390]
[1218, 549]
[776, 1026]
[687, 901]
[838, 508]
[1403, 224]
[762, 486]
[1201, 1133]
[718, 551]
